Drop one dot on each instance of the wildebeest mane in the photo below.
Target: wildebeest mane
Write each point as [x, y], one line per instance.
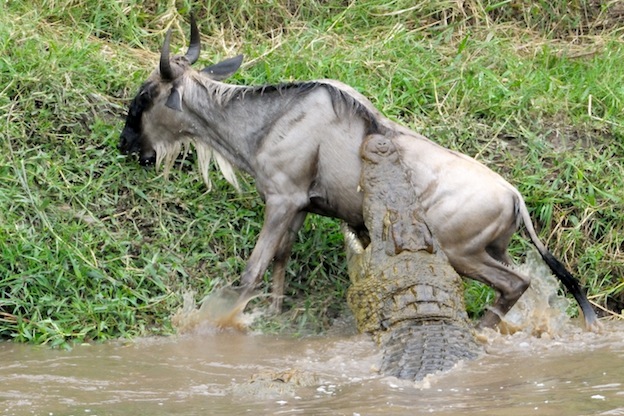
[343, 101]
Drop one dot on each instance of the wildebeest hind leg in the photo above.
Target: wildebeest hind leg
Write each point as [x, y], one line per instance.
[508, 284]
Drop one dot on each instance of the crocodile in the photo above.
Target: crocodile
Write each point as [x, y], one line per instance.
[403, 290]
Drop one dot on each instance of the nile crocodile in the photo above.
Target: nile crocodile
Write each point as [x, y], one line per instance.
[403, 290]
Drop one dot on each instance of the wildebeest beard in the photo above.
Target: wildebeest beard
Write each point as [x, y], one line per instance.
[163, 153]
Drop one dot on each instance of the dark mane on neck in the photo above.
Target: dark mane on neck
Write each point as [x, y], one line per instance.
[342, 101]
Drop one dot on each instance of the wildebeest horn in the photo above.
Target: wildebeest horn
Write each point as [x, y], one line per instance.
[166, 72]
[195, 47]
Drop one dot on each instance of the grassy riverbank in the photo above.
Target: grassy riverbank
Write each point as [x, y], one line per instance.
[92, 246]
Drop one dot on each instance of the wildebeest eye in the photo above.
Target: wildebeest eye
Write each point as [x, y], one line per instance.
[144, 98]
[141, 103]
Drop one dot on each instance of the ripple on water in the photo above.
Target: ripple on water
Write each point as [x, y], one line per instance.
[535, 368]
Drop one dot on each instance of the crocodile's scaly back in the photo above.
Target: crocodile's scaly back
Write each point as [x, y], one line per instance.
[403, 290]
[412, 350]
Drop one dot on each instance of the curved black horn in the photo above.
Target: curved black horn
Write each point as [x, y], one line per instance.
[195, 47]
[166, 72]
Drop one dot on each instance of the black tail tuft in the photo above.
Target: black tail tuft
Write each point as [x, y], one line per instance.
[572, 285]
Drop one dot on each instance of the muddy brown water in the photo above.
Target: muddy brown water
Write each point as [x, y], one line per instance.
[209, 374]
[548, 366]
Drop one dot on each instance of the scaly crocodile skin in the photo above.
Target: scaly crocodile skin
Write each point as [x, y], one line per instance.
[403, 290]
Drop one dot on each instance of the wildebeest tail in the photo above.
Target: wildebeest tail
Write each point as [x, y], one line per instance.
[570, 282]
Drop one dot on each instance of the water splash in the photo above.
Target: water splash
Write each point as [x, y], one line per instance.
[541, 311]
[222, 308]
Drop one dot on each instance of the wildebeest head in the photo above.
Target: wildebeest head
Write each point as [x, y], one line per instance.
[155, 117]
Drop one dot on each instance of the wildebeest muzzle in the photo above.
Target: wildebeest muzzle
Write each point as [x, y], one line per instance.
[129, 144]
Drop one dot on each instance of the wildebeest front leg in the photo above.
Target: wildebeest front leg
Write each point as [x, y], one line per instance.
[281, 260]
[279, 218]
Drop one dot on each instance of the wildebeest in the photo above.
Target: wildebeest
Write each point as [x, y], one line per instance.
[300, 141]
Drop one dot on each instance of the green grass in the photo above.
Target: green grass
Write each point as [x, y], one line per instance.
[92, 246]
